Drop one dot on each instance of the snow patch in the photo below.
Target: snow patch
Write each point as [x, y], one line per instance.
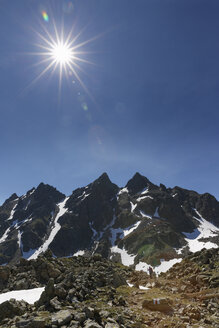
[206, 229]
[19, 234]
[156, 214]
[32, 192]
[145, 191]
[143, 288]
[28, 203]
[130, 229]
[163, 267]
[28, 295]
[5, 235]
[144, 215]
[143, 197]
[179, 250]
[15, 224]
[122, 191]
[126, 258]
[166, 265]
[79, 253]
[133, 206]
[83, 196]
[122, 232]
[54, 231]
[142, 266]
[12, 213]
[130, 285]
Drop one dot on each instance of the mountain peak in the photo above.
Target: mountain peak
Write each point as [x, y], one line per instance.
[105, 185]
[137, 183]
[44, 191]
[11, 198]
[104, 178]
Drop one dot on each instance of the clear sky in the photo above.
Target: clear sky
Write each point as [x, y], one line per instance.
[152, 101]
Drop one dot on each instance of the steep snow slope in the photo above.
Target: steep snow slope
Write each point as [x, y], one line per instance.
[55, 228]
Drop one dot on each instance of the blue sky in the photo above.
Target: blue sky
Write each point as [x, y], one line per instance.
[154, 95]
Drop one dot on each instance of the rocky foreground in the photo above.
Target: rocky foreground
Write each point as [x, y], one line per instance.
[93, 292]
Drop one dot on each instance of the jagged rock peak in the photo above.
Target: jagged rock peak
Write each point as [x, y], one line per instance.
[44, 187]
[138, 183]
[45, 191]
[31, 191]
[104, 183]
[11, 198]
[104, 178]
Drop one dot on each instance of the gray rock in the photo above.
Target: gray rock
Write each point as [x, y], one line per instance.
[62, 317]
[31, 323]
[74, 324]
[55, 303]
[48, 293]
[91, 324]
[9, 309]
[111, 325]
[89, 312]
[80, 317]
[60, 292]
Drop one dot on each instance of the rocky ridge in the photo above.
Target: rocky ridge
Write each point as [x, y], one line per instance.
[140, 223]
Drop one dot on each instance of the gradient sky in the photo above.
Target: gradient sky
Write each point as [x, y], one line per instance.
[154, 103]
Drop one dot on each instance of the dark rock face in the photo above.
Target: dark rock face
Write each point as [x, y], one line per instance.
[138, 183]
[142, 219]
[28, 216]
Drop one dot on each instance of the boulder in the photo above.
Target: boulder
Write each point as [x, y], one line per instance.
[61, 318]
[111, 325]
[9, 309]
[47, 294]
[31, 323]
[4, 274]
[118, 280]
[161, 305]
[91, 324]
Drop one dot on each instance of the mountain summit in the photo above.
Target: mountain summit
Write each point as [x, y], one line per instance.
[137, 225]
[138, 183]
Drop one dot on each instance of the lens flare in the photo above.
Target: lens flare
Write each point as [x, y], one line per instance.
[45, 16]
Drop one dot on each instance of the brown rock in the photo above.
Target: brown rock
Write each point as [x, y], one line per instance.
[161, 305]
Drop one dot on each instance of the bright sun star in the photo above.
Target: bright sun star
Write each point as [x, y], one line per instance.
[62, 53]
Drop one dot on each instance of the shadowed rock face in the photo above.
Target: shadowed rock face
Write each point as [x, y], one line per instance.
[143, 219]
[29, 217]
[138, 183]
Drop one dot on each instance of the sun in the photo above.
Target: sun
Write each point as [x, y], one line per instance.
[62, 53]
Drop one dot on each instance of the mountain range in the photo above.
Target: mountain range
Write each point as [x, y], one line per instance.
[141, 224]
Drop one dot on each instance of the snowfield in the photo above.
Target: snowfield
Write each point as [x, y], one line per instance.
[163, 267]
[206, 229]
[166, 265]
[28, 295]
